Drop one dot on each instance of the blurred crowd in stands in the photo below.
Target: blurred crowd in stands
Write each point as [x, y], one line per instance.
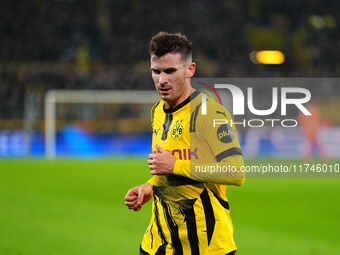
[103, 44]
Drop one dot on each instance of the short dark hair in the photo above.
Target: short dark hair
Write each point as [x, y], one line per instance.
[164, 42]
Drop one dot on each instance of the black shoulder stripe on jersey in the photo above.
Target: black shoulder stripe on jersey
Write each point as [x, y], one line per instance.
[142, 252]
[189, 218]
[227, 153]
[209, 214]
[159, 227]
[166, 126]
[153, 108]
[178, 180]
[224, 203]
[176, 242]
[193, 119]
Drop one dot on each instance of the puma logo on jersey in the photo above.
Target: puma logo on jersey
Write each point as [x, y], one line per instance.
[155, 131]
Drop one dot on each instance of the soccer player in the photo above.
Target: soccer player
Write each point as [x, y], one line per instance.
[191, 155]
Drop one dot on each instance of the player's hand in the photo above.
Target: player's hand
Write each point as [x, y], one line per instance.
[161, 162]
[137, 196]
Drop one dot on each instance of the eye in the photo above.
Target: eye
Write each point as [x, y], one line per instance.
[155, 71]
[170, 70]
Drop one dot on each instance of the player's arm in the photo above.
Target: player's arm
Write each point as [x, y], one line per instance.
[163, 163]
[139, 195]
[218, 133]
[222, 141]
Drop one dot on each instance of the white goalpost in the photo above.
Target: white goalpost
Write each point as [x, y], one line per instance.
[53, 97]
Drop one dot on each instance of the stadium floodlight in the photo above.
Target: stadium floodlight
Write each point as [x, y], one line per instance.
[267, 57]
[53, 97]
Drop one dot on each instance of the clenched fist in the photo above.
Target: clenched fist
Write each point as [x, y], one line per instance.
[137, 196]
[161, 162]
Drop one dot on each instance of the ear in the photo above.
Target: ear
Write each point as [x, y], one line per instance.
[191, 68]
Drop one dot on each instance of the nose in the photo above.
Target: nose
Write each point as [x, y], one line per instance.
[163, 79]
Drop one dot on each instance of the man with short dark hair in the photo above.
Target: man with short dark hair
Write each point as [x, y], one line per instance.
[188, 162]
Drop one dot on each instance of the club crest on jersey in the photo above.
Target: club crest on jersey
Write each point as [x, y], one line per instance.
[177, 131]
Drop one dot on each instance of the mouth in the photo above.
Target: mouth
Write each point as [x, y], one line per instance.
[164, 90]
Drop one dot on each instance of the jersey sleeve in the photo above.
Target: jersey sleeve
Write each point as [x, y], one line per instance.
[218, 131]
[215, 130]
[152, 112]
[154, 179]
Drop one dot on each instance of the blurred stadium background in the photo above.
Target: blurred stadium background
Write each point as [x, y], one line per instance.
[75, 206]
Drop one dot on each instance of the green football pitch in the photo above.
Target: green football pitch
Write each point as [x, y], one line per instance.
[77, 207]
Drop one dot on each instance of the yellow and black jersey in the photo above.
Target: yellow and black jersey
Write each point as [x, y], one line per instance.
[190, 209]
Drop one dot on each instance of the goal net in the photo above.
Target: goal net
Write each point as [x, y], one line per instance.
[97, 122]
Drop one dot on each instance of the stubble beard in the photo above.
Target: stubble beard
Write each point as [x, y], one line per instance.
[172, 100]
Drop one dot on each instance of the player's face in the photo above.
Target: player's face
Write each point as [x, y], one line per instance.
[171, 77]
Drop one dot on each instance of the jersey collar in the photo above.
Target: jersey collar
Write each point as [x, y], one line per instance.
[187, 100]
